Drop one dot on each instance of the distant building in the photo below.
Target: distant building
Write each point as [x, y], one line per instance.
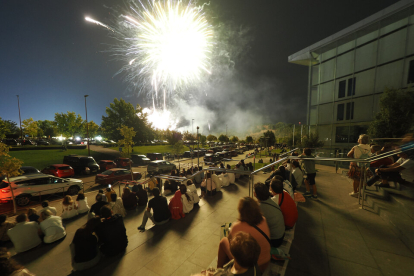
[349, 70]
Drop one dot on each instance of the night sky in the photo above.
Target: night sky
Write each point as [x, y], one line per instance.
[51, 57]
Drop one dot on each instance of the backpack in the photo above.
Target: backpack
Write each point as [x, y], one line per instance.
[363, 155]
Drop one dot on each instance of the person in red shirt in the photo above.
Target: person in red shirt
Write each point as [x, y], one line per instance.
[176, 206]
[286, 203]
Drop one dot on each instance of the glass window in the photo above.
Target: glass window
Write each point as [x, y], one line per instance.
[350, 111]
[351, 86]
[341, 134]
[340, 114]
[411, 72]
[342, 87]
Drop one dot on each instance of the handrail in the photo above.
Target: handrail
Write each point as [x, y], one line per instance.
[288, 152]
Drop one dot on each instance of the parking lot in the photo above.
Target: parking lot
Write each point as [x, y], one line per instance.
[91, 187]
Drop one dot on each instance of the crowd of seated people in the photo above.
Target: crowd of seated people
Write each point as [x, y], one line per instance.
[26, 234]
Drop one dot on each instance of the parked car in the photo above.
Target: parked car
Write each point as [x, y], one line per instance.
[225, 154]
[42, 143]
[27, 170]
[82, 164]
[116, 174]
[59, 170]
[26, 142]
[188, 154]
[10, 142]
[106, 165]
[139, 160]
[122, 162]
[28, 186]
[233, 153]
[212, 159]
[160, 166]
[154, 156]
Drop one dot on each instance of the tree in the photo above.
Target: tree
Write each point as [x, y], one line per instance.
[211, 138]
[9, 166]
[46, 128]
[68, 124]
[122, 113]
[173, 136]
[92, 129]
[271, 138]
[311, 141]
[203, 139]
[223, 138]
[3, 129]
[249, 139]
[128, 134]
[234, 139]
[178, 149]
[188, 136]
[8, 127]
[30, 127]
[396, 115]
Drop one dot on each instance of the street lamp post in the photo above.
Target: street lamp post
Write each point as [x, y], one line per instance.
[198, 149]
[20, 119]
[87, 126]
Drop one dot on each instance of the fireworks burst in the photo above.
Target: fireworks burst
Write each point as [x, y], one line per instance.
[166, 47]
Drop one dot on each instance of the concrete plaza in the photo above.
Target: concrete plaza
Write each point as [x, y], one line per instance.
[333, 237]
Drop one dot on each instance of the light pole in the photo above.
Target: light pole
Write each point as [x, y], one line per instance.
[198, 149]
[20, 119]
[87, 126]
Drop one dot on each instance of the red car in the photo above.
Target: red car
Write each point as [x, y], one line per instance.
[59, 170]
[106, 165]
[116, 174]
[122, 162]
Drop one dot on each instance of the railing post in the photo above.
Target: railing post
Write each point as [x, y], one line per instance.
[363, 187]
[360, 183]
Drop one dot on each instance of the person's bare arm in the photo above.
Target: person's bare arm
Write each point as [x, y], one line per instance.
[351, 153]
[392, 169]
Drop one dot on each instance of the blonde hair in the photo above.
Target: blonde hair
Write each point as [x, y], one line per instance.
[67, 200]
[364, 139]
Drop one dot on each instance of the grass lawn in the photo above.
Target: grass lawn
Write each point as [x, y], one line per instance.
[43, 158]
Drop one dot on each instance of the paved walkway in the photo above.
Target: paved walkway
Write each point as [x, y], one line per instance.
[333, 237]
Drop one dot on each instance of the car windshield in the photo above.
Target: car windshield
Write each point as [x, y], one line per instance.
[88, 161]
[152, 164]
[64, 168]
[108, 172]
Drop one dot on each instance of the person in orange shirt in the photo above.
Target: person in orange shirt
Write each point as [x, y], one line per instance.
[285, 202]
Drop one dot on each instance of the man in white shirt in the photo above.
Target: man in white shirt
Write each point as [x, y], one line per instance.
[45, 205]
[52, 227]
[25, 235]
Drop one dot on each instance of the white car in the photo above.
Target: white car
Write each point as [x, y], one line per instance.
[27, 186]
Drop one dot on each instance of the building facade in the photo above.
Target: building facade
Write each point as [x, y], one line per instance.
[349, 71]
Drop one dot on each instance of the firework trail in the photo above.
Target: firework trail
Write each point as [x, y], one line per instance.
[166, 47]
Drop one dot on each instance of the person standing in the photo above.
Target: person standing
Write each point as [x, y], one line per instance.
[310, 171]
[159, 205]
[360, 151]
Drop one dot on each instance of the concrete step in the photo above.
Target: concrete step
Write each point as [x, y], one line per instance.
[394, 207]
